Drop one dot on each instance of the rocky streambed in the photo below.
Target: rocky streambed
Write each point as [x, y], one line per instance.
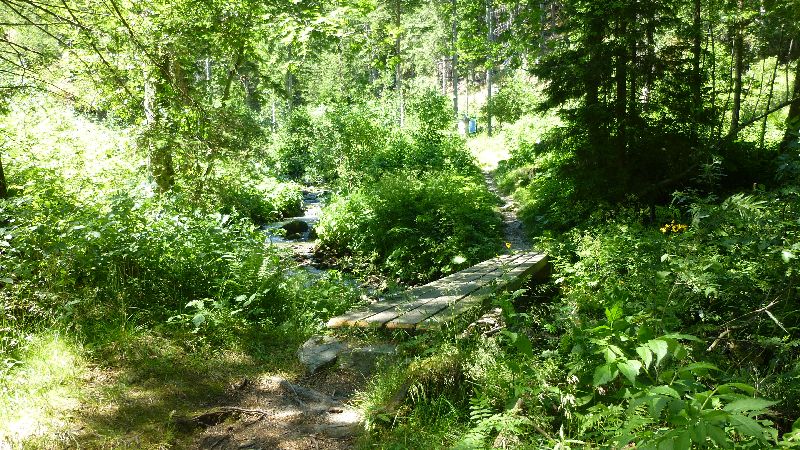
[298, 233]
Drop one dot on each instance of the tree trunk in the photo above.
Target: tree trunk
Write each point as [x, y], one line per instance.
[455, 58]
[715, 130]
[592, 80]
[232, 72]
[650, 63]
[633, 75]
[619, 161]
[3, 184]
[621, 81]
[738, 57]
[398, 69]
[793, 119]
[697, 76]
[160, 155]
[490, 37]
[769, 102]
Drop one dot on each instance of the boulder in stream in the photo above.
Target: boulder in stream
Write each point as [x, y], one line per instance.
[295, 227]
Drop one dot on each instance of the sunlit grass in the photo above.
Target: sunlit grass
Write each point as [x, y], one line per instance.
[40, 394]
[122, 392]
[489, 151]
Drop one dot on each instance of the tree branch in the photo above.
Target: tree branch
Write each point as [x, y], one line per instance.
[732, 134]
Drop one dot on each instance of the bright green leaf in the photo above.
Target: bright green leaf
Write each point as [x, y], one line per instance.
[749, 404]
[524, 346]
[645, 354]
[656, 405]
[747, 426]
[660, 349]
[603, 374]
[667, 444]
[728, 388]
[630, 369]
[699, 432]
[683, 440]
[699, 368]
[719, 436]
[665, 390]
[681, 336]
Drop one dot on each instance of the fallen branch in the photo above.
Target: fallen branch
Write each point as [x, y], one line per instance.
[735, 131]
[719, 338]
[255, 412]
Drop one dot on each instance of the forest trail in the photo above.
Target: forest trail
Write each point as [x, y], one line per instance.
[489, 152]
[274, 413]
[513, 228]
[312, 412]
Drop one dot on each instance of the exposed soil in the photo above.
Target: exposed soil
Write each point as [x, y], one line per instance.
[513, 228]
[274, 413]
[315, 412]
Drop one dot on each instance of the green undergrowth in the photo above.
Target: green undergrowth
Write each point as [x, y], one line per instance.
[124, 390]
[674, 327]
[120, 305]
[355, 145]
[672, 332]
[413, 228]
[557, 377]
[411, 203]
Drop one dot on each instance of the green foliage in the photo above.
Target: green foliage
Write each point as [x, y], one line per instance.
[293, 145]
[413, 227]
[517, 97]
[666, 398]
[431, 111]
[352, 146]
[540, 173]
[86, 241]
[256, 195]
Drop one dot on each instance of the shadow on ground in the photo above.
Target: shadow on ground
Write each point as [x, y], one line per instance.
[140, 384]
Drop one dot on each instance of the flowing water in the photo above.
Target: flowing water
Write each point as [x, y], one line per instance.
[298, 233]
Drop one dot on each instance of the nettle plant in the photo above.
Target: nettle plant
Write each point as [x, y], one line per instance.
[650, 391]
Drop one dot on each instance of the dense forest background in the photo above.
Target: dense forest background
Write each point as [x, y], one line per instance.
[652, 147]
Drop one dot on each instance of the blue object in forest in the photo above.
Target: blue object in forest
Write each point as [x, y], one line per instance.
[473, 126]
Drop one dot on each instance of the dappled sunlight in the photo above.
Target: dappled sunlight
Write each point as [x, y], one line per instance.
[488, 151]
[148, 379]
[70, 144]
[39, 396]
[190, 191]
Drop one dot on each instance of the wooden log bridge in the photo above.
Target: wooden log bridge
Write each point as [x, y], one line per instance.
[429, 306]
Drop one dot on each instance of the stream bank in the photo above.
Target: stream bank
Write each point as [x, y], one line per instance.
[298, 233]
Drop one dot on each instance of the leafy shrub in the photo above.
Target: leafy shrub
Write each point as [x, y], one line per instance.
[430, 111]
[352, 146]
[255, 195]
[515, 98]
[140, 257]
[541, 175]
[85, 238]
[412, 227]
[292, 145]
